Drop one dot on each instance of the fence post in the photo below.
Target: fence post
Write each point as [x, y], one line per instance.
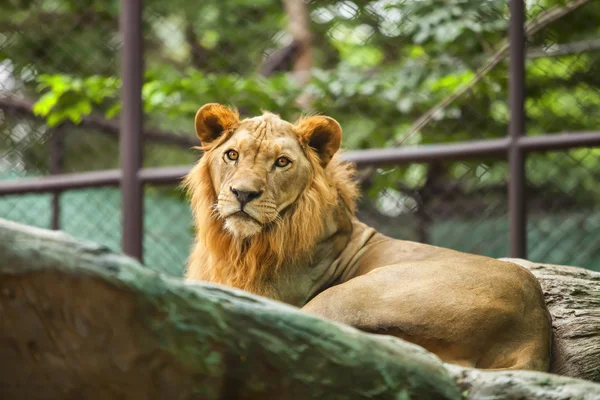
[131, 126]
[516, 156]
[56, 168]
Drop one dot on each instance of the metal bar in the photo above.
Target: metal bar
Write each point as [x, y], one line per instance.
[60, 182]
[427, 153]
[131, 127]
[560, 141]
[462, 150]
[55, 221]
[516, 157]
[164, 175]
[56, 167]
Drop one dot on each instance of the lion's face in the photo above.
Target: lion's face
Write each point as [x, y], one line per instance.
[260, 166]
[257, 174]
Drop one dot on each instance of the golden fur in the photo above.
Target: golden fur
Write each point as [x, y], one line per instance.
[246, 263]
[273, 205]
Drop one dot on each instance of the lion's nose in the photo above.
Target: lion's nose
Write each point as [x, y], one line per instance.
[244, 196]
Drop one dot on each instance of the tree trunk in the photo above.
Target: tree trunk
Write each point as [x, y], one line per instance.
[573, 298]
[80, 322]
[521, 385]
[298, 14]
[299, 28]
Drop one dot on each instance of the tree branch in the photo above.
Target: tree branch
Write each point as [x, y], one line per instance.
[281, 59]
[298, 55]
[531, 29]
[198, 54]
[564, 49]
[99, 123]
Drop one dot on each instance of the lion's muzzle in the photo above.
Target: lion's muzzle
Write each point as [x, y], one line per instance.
[244, 196]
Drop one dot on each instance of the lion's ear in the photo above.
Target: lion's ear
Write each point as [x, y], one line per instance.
[212, 120]
[324, 134]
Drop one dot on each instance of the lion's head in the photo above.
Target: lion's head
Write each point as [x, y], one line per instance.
[261, 193]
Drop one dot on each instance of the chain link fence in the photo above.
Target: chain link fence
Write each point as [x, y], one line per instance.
[394, 73]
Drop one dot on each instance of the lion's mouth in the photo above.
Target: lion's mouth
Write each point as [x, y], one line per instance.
[241, 224]
[243, 215]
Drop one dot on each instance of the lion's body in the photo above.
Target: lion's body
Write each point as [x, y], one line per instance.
[297, 240]
[467, 309]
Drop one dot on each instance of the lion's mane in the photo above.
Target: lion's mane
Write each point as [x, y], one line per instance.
[247, 263]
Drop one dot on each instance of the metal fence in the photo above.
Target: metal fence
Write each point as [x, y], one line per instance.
[490, 188]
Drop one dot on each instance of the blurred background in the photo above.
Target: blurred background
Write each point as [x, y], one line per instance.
[379, 67]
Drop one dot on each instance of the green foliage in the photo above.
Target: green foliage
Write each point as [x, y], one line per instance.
[168, 95]
[380, 64]
[68, 98]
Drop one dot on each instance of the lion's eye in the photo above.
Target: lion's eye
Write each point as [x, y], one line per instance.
[282, 162]
[232, 155]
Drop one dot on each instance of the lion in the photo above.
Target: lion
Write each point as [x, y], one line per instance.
[274, 210]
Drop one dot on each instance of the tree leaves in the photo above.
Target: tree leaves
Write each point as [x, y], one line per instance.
[381, 65]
